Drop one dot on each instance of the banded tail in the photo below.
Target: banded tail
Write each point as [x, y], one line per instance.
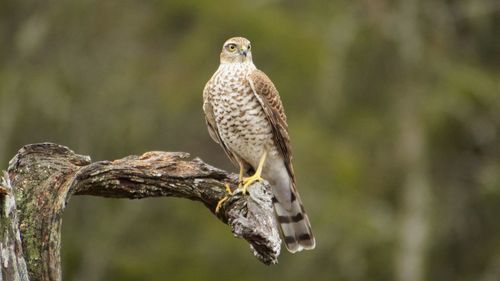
[293, 221]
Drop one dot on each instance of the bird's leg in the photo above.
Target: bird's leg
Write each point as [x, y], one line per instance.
[240, 177]
[257, 176]
[224, 199]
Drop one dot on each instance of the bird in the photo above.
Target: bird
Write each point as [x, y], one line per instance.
[245, 116]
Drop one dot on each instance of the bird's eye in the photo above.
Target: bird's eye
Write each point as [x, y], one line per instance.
[249, 47]
[231, 47]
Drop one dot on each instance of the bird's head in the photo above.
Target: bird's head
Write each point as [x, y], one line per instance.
[236, 50]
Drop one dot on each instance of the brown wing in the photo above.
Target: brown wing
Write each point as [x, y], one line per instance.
[269, 98]
[212, 126]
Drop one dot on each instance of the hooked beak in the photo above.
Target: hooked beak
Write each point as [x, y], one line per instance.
[244, 51]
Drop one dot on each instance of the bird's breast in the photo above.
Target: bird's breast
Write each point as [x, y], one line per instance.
[240, 118]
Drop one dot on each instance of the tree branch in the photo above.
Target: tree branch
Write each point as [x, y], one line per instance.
[44, 176]
[12, 263]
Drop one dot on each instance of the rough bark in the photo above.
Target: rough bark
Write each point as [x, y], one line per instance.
[43, 177]
[13, 265]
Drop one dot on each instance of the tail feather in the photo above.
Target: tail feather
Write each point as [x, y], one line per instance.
[294, 223]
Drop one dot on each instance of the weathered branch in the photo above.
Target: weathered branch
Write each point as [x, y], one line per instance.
[44, 176]
[13, 265]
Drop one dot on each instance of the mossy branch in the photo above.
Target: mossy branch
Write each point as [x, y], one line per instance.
[43, 177]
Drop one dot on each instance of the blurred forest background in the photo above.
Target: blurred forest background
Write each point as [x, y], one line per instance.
[394, 114]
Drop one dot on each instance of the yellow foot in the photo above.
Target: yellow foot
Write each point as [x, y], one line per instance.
[219, 204]
[248, 181]
[256, 177]
[224, 199]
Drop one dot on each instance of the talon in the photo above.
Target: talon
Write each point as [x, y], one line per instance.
[224, 199]
[219, 204]
[248, 181]
[228, 189]
[256, 177]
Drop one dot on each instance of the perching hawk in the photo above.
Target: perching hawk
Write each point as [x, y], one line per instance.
[245, 116]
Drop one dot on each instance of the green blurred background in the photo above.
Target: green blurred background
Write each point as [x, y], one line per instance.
[394, 115]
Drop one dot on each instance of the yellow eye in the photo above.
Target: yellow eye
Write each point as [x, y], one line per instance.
[231, 47]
